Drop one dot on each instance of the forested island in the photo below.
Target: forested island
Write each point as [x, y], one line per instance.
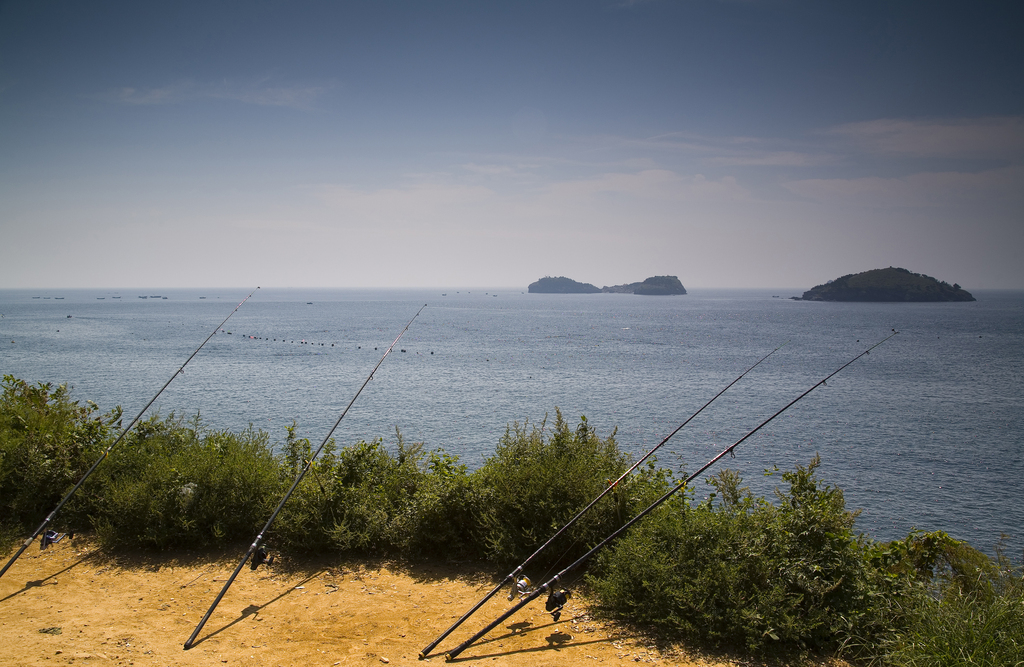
[891, 284]
[653, 286]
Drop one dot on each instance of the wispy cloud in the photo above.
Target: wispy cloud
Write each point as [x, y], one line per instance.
[732, 151]
[171, 94]
[991, 188]
[259, 93]
[997, 137]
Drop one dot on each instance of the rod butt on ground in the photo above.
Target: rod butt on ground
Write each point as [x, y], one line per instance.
[298, 478]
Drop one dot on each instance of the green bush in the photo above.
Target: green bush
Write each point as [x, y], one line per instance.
[938, 602]
[533, 486]
[47, 443]
[741, 573]
[175, 485]
[439, 520]
[365, 500]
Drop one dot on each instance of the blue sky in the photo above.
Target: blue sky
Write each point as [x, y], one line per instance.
[733, 143]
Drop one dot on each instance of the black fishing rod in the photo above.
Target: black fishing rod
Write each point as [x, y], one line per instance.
[511, 577]
[557, 598]
[259, 555]
[46, 537]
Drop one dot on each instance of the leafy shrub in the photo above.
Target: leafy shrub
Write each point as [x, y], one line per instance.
[533, 486]
[439, 520]
[742, 573]
[937, 601]
[47, 443]
[172, 485]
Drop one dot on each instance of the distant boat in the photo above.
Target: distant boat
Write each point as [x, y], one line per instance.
[163, 297]
[115, 297]
[309, 303]
[154, 296]
[143, 297]
[101, 298]
[202, 297]
[35, 297]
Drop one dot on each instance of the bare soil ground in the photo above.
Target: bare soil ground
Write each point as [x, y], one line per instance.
[74, 604]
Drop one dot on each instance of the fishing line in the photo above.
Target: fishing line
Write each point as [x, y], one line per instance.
[549, 586]
[255, 551]
[47, 538]
[513, 576]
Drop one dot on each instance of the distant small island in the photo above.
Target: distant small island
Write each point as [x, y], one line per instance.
[891, 284]
[653, 286]
[561, 285]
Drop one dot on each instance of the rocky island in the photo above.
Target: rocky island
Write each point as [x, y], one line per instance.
[891, 284]
[561, 285]
[653, 286]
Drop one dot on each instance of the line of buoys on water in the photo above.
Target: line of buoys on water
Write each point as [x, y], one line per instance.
[285, 340]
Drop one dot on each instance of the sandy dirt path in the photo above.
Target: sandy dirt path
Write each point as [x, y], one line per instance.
[74, 604]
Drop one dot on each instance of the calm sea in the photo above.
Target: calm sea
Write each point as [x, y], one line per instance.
[924, 432]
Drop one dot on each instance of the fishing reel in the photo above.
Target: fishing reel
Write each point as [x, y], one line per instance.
[260, 557]
[556, 600]
[520, 587]
[50, 537]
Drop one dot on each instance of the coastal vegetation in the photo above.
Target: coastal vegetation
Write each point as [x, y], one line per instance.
[718, 567]
[891, 284]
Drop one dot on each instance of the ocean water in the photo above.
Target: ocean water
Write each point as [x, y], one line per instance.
[925, 432]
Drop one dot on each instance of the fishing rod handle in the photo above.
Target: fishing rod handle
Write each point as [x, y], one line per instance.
[454, 653]
[220, 596]
[432, 645]
[295, 484]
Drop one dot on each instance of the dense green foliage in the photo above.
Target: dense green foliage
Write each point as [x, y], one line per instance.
[47, 443]
[744, 571]
[784, 576]
[534, 485]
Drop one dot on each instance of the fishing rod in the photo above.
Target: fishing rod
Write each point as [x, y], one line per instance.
[558, 598]
[512, 576]
[259, 554]
[49, 538]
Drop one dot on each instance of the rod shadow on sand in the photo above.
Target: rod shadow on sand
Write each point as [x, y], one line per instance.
[556, 640]
[255, 609]
[39, 582]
